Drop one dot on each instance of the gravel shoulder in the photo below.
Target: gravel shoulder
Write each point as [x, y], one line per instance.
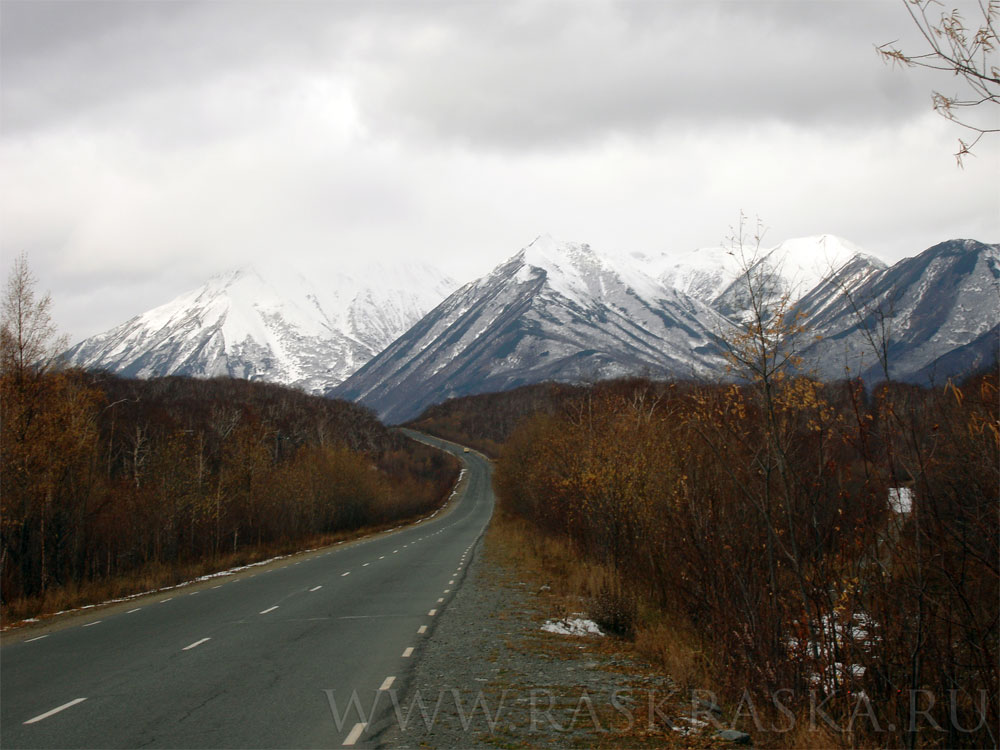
[489, 677]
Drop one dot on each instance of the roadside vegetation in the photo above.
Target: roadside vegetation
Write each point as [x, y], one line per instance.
[821, 556]
[113, 486]
[836, 547]
[778, 558]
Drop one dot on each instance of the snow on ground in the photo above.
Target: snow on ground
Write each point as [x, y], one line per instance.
[572, 626]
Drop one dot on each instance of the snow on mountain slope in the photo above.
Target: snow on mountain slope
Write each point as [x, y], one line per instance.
[934, 312]
[703, 273]
[554, 311]
[559, 311]
[718, 276]
[271, 323]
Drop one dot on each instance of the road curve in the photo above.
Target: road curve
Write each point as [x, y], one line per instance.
[292, 656]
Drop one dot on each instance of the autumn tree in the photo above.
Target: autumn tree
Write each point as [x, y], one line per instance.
[47, 436]
[27, 334]
[966, 50]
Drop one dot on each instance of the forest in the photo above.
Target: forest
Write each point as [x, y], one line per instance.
[825, 542]
[113, 486]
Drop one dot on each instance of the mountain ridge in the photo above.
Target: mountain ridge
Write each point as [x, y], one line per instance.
[405, 336]
[271, 323]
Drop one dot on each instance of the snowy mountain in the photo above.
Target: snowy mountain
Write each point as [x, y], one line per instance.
[938, 314]
[721, 277]
[271, 323]
[561, 311]
[564, 311]
[703, 273]
[554, 311]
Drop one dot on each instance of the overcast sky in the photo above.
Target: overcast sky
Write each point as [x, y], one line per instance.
[148, 145]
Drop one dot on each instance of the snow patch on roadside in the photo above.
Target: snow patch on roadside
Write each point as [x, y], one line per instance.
[572, 626]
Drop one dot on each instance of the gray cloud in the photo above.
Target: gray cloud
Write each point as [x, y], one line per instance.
[516, 74]
[146, 145]
[567, 71]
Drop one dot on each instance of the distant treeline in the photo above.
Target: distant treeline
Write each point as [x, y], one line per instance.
[487, 420]
[771, 518]
[104, 478]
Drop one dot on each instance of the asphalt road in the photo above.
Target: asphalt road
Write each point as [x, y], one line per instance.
[272, 659]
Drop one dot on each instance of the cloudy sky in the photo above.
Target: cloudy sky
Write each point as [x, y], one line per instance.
[145, 146]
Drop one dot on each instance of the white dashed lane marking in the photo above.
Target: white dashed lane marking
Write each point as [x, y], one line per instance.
[387, 683]
[195, 644]
[315, 588]
[269, 609]
[355, 733]
[55, 710]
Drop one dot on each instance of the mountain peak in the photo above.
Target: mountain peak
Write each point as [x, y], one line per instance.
[271, 321]
[547, 253]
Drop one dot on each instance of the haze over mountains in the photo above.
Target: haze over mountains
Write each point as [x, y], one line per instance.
[399, 339]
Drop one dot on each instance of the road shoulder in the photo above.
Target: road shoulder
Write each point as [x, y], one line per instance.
[490, 677]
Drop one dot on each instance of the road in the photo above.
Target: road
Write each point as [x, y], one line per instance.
[266, 660]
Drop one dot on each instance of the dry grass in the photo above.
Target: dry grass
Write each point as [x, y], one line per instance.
[677, 650]
[665, 641]
[658, 637]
